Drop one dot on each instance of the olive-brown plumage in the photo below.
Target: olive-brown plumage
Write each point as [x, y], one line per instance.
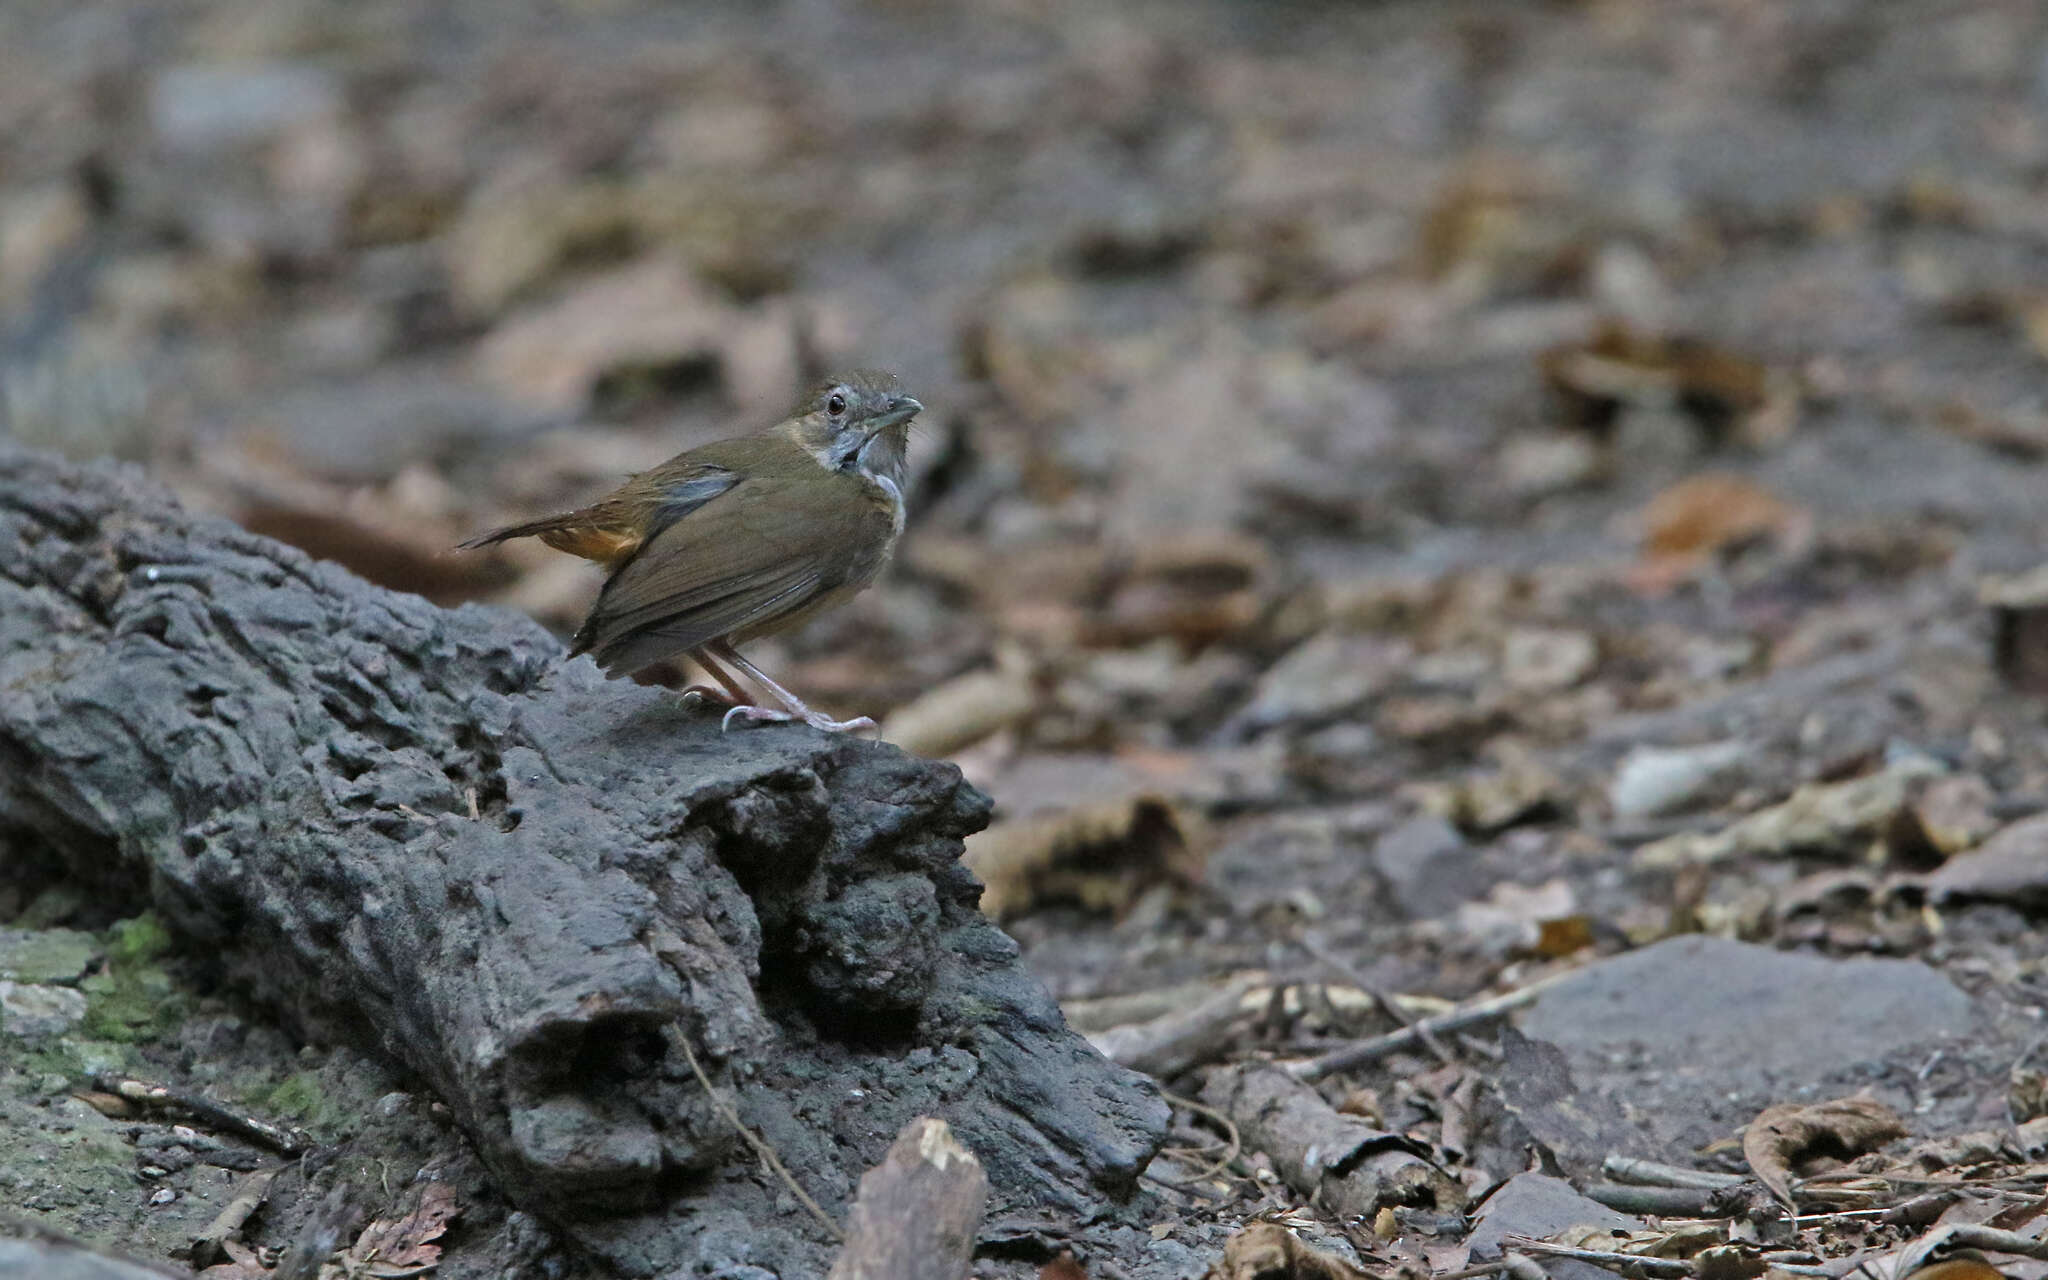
[744, 537]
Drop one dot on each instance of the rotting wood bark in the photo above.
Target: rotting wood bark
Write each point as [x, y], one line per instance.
[1342, 1163]
[917, 1212]
[284, 761]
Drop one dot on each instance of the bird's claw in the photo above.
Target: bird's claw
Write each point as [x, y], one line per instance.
[697, 695]
[815, 719]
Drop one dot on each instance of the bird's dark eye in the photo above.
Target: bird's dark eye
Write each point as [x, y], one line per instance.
[836, 405]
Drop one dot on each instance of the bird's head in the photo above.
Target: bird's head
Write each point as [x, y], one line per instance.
[857, 422]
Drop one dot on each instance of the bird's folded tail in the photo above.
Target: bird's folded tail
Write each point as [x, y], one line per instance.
[573, 532]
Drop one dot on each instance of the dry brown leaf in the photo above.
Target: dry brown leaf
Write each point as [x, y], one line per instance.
[1834, 819]
[408, 1241]
[1946, 816]
[2026, 1096]
[1197, 587]
[2015, 1216]
[424, 567]
[962, 711]
[642, 316]
[1782, 1136]
[398, 534]
[1698, 518]
[1063, 1268]
[1099, 855]
[1724, 392]
[1269, 1251]
[1728, 1262]
[244, 1267]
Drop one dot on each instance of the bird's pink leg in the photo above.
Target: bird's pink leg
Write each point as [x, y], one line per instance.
[724, 652]
[734, 693]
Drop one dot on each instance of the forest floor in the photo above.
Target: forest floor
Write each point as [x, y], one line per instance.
[1419, 498]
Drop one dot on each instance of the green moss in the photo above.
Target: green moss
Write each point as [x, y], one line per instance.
[137, 941]
[133, 1000]
[73, 1061]
[302, 1097]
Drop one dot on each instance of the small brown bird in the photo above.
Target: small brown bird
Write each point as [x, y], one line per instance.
[740, 538]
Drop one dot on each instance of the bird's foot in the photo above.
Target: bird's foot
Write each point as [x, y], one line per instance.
[815, 719]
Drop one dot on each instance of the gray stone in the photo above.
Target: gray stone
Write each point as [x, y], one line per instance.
[1537, 1205]
[1428, 867]
[45, 955]
[37, 1013]
[1729, 1015]
[205, 106]
[2012, 866]
[1324, 676]
[1659, 780]
[61, 1260]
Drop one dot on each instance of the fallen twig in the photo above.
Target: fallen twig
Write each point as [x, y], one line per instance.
[283, 1140]
[760, 1145]
[1664, 1202]
[1651, 1173]
[1972, 1235]
[1233, 1142]
[249, 1194]
[1360, 1052]
[1339, 1161]
[1387, 1004]
[1634, 1263]
[1179, 1041]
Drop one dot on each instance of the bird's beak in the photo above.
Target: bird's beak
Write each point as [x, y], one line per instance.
[901, 410]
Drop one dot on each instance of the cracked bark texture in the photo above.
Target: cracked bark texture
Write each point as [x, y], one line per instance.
[285, 762]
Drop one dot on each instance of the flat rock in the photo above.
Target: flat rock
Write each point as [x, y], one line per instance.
[45, 955]
[58, 1260]
[2012, 866]
[36, 1012]
[204, 106]
[1658, 780]
[1538, 1205]
[1428, 867]
[1694, 1035]
[1727, 1013]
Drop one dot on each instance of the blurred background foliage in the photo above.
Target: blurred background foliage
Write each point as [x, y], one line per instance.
[1323, 396]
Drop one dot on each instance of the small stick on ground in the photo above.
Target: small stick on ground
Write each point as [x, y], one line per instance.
[1387, 1004]
[1179, 1041]
[1636, 1264]
[283, 1140]
[760, 1145]
[1650, 1173]
[1342, 1163]
[1663, 1202]
[1234, 1142]
[250, 1192]
[1360, 1052]
[1973, 1235]
[918, 1212]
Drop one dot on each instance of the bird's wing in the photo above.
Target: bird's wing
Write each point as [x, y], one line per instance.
[755, 554]
[611, 529]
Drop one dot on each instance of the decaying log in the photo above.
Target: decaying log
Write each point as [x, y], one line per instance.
[421, 831]
[917, 1212]
[1339, 1161]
